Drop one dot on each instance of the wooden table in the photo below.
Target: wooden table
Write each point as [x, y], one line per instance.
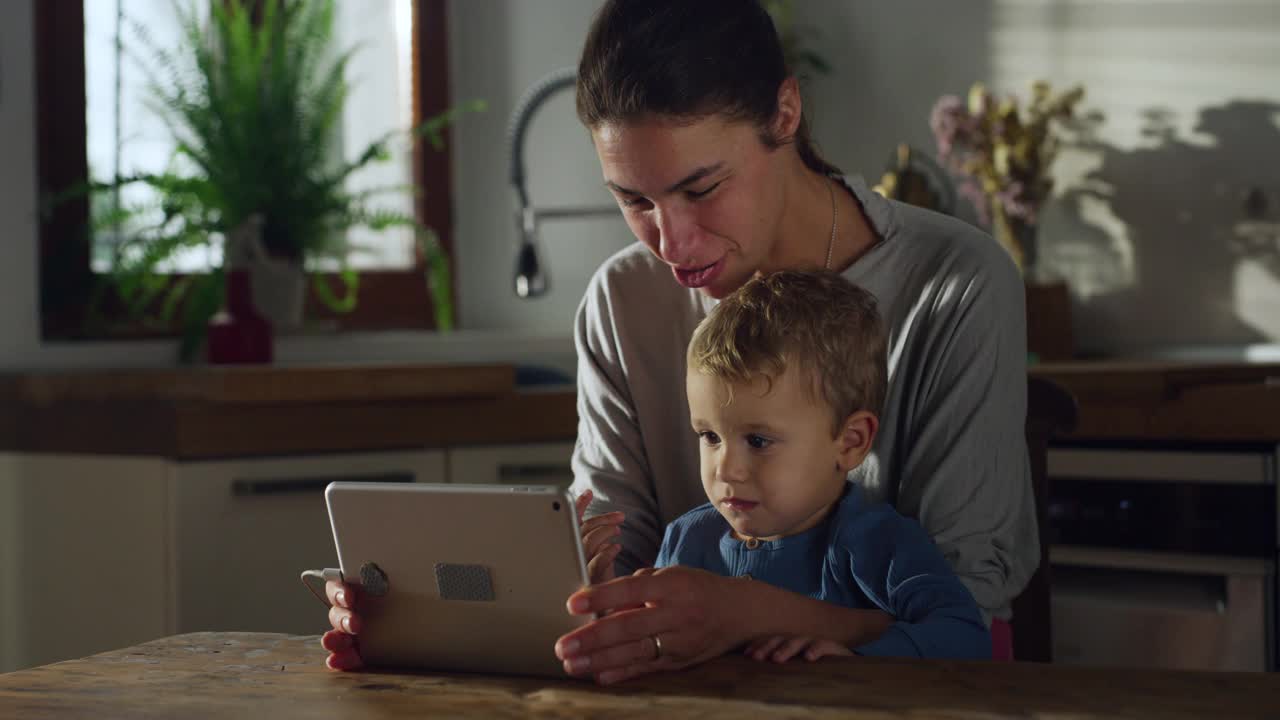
[251, 675]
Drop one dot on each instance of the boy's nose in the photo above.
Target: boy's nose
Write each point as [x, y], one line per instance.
[731, 470]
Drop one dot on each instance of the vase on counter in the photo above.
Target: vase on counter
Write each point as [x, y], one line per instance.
[237, 334]
[1048, 299]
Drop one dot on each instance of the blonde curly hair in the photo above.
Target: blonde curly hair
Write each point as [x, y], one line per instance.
[825, 325]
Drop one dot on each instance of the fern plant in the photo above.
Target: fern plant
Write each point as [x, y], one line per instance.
[254, 105]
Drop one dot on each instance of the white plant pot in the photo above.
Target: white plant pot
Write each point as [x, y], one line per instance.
[279, 292]
[279, 287]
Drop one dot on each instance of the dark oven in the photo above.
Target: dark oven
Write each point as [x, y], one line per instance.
[1164, 558]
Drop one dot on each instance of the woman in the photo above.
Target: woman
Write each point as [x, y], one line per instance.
[701, 137]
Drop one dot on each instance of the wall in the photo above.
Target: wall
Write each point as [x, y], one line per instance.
[1146, 223]
[498, 50]
[1154, 263]
[1143, 225]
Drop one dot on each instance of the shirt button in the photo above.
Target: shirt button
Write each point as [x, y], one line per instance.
[752, 543]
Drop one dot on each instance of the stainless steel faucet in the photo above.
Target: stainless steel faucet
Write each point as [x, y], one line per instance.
[530, 278]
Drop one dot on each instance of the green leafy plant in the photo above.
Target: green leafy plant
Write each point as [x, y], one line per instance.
[254, 105]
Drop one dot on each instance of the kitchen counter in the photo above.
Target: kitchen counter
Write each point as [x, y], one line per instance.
[1172, 402]
[203, 413]
[236, 675]
[213, 412]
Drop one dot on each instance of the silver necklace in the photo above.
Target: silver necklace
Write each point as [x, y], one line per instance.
[832, 242]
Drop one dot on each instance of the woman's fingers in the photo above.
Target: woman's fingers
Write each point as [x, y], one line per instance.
[637, 652]
[676, 604]
[594, 541]
[344, 651]
[622, 592]
[340, 594]
[600, 567]
[337, 641]
[581, 503]
[346, 660]
[618, 629]
[344, 620]
[609, 519]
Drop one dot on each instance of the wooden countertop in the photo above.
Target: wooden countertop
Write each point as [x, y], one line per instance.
[204, 413]
[1172, 402]
[201, 413]
[237, 675]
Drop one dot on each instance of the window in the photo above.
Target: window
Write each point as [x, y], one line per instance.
[397, 77]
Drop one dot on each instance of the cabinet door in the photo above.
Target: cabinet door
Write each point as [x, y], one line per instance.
[532, 464]
[245, 529]
[84, 558]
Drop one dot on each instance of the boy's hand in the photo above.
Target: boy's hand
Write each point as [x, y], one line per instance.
[597, 534]
[780, 648]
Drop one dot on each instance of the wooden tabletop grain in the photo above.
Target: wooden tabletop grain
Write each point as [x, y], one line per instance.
[252, 675]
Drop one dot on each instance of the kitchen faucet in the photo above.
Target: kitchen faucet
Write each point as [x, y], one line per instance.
[530, 278]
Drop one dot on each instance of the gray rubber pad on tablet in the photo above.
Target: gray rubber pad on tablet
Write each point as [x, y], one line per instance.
[464, 582]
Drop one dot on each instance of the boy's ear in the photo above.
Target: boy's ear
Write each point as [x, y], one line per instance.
[857, 433]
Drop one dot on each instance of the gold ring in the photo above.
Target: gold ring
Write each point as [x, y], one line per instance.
[657, 646]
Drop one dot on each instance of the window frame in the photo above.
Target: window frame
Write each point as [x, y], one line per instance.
[388, 299]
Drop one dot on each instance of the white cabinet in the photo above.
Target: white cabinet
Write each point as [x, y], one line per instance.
[530, 464]
[102, 552]
[85, 544]
[244, 529]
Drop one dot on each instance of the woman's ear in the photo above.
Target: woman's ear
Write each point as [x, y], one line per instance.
[853, 443]
[786, 121]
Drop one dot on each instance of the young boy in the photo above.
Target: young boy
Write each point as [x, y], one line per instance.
[785, 380]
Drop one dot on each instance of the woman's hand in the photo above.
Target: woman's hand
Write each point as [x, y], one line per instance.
[653, 620]
[781, 648]
[341, 641]
[597, 536]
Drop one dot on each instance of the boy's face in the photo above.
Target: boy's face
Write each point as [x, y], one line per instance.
[769, 460]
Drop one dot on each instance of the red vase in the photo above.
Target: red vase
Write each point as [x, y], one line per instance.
[237, 334]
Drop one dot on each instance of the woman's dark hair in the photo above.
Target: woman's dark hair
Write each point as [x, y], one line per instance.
[687, 59]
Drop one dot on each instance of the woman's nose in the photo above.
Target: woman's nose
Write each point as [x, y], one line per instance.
[678, 237]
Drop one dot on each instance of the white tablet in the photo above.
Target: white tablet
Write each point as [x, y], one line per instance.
[459, 577]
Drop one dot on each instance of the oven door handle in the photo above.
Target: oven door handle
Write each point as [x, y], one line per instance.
[1189, 563]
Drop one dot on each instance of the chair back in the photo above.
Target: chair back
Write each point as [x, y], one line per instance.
[1050, 410]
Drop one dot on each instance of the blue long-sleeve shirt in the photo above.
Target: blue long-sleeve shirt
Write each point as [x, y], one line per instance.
[862, 556]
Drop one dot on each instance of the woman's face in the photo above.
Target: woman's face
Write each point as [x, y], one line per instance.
[706, 197]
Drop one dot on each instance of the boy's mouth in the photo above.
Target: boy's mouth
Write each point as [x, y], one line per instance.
[738, 504]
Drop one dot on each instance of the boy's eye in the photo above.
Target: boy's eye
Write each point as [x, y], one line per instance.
[758, 442]
[709, 437]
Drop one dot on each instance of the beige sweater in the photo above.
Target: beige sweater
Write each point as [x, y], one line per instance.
[951, 451]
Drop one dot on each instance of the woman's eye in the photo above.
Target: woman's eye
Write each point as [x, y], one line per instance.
[633, 202]
[694, 195]
[758, 442]
[709, 437]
